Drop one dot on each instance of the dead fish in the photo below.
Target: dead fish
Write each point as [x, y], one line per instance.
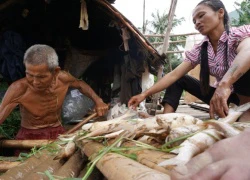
[192, 146]
[87, 127]
[151, 123]
[155, 133]
[227, 129]
[183, 131]
[110, 128]
[67, 137]
[150, 140]
[159, 135]
[235, 112]
[66, 151]
[241, 125]
[174, 120]
[127, 116]
[113, 134]
[143, 139]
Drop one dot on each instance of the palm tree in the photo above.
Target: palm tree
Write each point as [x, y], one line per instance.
[244, 13]
[158, 26]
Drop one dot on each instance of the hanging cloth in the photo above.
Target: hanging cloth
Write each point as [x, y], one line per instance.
[84, 19]
[125, 38]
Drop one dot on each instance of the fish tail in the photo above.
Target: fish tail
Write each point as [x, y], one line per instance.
[172, 162]
[243, 107]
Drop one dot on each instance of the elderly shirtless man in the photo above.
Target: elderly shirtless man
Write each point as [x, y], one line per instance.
[41, 93]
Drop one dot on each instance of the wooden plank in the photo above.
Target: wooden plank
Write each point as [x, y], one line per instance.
[203, 107]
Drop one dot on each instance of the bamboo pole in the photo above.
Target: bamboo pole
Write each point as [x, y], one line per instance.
[170, 42]
[24, 144]
[50, 165]
[114, 166]
[173, 52]
[72, 167]
[150, 158]
[171, 35]
[169, 27]
[25, 167]
[96, 174]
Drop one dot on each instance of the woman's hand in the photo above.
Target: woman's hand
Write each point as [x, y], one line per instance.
[218, 103]
[135, 100]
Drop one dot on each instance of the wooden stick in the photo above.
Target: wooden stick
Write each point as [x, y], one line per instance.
[80, 124]
[6, 165]
[24, 144]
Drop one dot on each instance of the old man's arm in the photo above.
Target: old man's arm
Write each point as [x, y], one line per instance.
[101, 107]
[10, 99]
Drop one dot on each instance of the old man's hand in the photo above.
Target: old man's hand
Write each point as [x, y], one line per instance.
[101, 108]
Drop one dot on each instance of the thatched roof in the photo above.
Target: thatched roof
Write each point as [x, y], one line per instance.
[61, 17]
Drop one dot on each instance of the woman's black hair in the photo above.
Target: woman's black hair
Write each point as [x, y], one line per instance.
[215, 5]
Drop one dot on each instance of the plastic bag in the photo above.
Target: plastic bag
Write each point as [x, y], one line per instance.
[75, 106]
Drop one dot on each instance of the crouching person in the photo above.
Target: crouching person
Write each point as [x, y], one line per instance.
[41, 93]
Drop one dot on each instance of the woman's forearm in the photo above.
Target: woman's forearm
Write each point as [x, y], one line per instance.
[240, 65]
[169, 79]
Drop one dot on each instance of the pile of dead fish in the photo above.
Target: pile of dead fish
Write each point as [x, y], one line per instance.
[157, 143]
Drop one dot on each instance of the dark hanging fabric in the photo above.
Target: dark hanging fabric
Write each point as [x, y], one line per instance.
[131, 74]
[125, 91]
[12, 48]
[132, 68]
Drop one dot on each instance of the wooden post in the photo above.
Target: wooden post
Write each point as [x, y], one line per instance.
[164, 50]
[144, 21]
[169, 27]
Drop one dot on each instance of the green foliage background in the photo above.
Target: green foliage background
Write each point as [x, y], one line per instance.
[159, 26]
[244, 13]
[12, 123]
